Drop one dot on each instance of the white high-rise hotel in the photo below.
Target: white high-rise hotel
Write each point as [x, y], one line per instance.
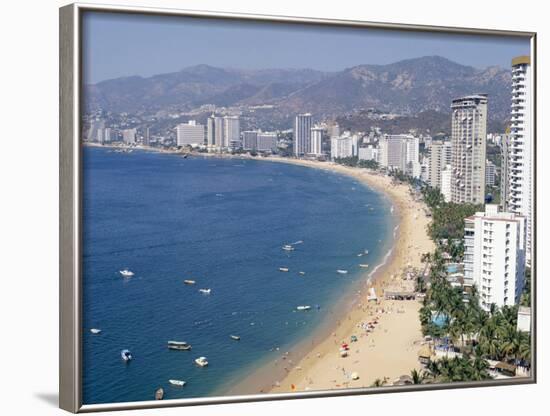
[494, 256]
[302, 134]
[520, 146]
[469, 136]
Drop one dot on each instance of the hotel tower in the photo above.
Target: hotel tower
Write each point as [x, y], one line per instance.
[519, 148]
[302, 134]
[469, 136]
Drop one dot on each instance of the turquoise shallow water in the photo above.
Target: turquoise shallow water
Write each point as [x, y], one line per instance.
[221, 222]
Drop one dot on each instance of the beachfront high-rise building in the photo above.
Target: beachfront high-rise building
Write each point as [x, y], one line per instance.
[231, 132]
[267, 141]
[250, 140]
[439, 157]
[520, 145]
[368, 153]
[317, 141]
[400, 152]
[107, 136]
[341, 147]
[469, 135]
[302, 134]
[494, 256]
[129, 136]
[504, 171]
[211, 131]
[190, 134]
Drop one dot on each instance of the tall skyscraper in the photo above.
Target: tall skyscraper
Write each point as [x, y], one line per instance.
[231, 132]
[469, 135]
[302, 134]
[494, 256]
[504, 171]
[317, 141]
[190, 134]
[211, 131]
[520, 145]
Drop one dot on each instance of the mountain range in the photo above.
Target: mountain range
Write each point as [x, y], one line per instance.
[408, 87]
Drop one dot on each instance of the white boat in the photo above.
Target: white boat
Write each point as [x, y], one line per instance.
[303, 308]
[95, 330]
[126, 355]
[205, 291]
[283, 269]
[126, 273]
[364, 265]
[235, 337]
[179, 383]
[189, 282]
[342, 271]
[302, 273]
[201, 361]
[366, 252]
[288, 247]
[179, 345]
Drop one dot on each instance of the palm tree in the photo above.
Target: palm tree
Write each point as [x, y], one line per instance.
[417, 377]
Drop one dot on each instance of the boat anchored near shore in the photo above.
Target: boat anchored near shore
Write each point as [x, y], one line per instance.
[126, 273]
[283, 269]
[126, 355]
[341, 271]
[303, 308]
[178, 383]
[189, 282]
[364, 265]
[201, 361]
[179, 345]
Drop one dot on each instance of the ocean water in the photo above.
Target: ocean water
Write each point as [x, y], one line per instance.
[221, 222]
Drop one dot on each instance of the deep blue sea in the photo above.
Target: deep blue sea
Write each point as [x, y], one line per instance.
[221, 222]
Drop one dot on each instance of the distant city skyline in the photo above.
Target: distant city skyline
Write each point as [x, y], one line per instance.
[119, 45]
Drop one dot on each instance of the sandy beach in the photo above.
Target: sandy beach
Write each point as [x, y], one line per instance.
[391, 348]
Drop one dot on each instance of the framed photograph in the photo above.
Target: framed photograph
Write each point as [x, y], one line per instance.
[261, 207]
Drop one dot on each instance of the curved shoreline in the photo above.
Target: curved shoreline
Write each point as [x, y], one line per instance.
[389, 351]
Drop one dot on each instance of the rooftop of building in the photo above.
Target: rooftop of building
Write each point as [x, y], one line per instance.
[521, 60]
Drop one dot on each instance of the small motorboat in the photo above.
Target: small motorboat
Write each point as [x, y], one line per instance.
[201, 361]
[288, 247]
[366, 252]
[126, 273]
[159, 394]
[126, 355]
[189, 282]
[283, 269]
[95, 331]
[364, 265]
[302, 273]
[340, 271]
[235, 337]
[205, 291]
[179, 383]
[179, 345]
[303, 308]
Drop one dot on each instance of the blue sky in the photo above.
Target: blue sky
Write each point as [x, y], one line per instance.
[117, 45]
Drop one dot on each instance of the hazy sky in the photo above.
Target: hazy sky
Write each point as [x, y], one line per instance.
[117, 45]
